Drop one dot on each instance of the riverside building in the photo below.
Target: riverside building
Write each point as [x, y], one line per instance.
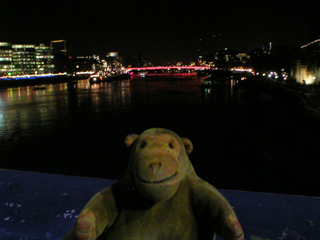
[20, 59]
[44, 59]
[5, 58]
[307, 69]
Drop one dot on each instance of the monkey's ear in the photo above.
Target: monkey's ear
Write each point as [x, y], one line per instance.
[187, 144]
[130, 139]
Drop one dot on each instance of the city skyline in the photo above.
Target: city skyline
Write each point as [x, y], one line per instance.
[160, 31]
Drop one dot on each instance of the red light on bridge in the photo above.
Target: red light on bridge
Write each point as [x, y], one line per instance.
[168, 67]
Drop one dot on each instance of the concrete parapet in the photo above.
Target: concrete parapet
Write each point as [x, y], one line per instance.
[42, 206]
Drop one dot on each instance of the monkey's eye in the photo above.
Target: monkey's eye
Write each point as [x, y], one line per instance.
[143, 144]
[170, 145]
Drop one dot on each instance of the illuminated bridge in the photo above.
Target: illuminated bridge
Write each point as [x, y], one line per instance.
[169, 68]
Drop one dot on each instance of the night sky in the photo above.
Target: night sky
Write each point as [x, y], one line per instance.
[162, 31]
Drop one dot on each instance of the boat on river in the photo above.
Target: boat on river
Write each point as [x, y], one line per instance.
[210, 82]
[213, 81]
[98, 78]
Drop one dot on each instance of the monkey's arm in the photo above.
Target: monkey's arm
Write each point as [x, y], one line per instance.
[99, 213]
[209, 202]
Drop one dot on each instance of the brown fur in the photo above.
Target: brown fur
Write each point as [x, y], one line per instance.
[159, 198]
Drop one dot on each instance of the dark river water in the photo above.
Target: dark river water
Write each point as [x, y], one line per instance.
[242, 140]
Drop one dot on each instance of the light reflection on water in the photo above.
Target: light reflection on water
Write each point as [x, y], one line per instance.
[25, 112]
[24, 109]
[50, 130]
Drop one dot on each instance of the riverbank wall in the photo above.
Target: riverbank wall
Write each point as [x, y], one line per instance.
[37, 206]
[304, 98]
[38, 81]
[293, 94]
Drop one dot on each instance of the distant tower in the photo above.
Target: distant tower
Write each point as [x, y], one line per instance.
[59, 47]
[61, 61]
[270, 46]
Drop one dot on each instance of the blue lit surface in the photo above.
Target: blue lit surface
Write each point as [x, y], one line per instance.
[21, 78]
[26, 77]
[45, 206]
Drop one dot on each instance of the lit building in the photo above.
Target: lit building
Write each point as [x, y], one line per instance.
[59, 47]
[225, 58]
[24, 59]
[62, 62]
[243, 57]
[87, 63]
[113, 63]
[5, 58]
[307, 69]
[44, 59]
[19, 59]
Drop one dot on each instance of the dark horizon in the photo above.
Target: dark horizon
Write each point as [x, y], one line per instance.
[161, 31]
